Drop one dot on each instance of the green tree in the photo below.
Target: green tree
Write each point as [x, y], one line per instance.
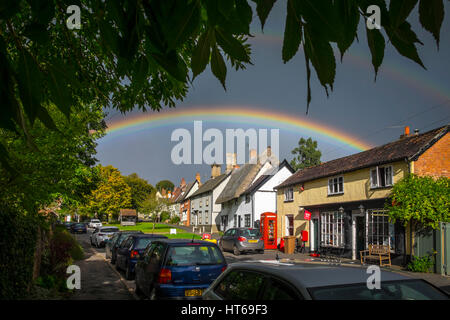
[160, 47]
[111, 195]
[423, 201]
[165, 184]
[305, 155]
[140, 189]
[153, 205]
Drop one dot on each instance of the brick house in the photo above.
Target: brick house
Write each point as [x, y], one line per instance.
[185, 201]
[346, 196]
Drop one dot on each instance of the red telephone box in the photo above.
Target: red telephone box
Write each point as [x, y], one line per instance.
[268, 229]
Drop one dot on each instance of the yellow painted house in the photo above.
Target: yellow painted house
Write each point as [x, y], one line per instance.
[346, 196]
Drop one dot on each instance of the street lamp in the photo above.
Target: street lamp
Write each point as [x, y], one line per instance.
[361, 208]
[341, 209]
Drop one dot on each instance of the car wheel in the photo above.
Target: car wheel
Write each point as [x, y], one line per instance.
[113, 261]
[236, 251]
[260, 251]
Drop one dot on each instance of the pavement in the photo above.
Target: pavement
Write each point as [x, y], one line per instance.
[100, 279]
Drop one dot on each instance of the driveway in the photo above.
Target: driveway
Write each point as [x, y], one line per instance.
[99, 280]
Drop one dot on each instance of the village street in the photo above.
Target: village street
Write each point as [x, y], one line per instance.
[101, 281]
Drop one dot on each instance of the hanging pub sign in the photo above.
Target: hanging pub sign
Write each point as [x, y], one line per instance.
[307, 215]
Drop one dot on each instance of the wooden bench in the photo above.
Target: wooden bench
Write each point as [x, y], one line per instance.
[377, 252]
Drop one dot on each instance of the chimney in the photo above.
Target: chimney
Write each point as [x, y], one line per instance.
[269, 151]
[406, 133]
[236, 166]
[231, 161]
[416, 131]
[197, 177]
[252, 155]
[215, 170]
[182, 183]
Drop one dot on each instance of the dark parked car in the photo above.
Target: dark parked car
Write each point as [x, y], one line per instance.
[271, 280]
[68, 225]
[112, 244]
[131, 249]
[78, 228]
[240, 240]
[178, 269]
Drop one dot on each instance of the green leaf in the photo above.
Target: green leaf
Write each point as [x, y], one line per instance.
[348, 15]
[172, 64]
[376, 43]
[109, 36]
[231, 45]
[59, 86]
[399, 10]
[46, 119]
[322, 58]
[225, 7]
[431, 15]
[404, 39]
[244, 14]
[140, 72]
[321, 19]
[263, 8]
[201, 53]
[182, 22]
[292, 33]
[308, 82]
[9, 8]
[37, 32]
[43, 10]
[29, 79]
[218, 66]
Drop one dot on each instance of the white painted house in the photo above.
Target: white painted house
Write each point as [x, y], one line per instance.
[249, 192]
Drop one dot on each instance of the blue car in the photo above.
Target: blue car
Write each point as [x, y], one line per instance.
[131, 249]
[178, 269]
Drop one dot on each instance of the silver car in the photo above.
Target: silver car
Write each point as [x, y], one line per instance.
[274, 280]
[101, 235]
[95, 223]
[240, 240]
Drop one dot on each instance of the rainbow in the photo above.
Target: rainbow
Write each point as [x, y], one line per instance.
[412, 77]
[232, 114]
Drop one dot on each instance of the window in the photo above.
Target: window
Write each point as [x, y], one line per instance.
[379, 230]
[247, 198]
[235, 221]
[200, 218]
[200, 205]
[240, 285]
[381, 177]
[206, 217]
[207, 202]
[332, 229]
[247, 221]
[288, 194]
[194, 255]
[277, 290]
[336, 185]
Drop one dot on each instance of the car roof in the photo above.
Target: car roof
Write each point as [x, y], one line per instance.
[108, 227]
[185, 241]
[148, 235]
[309, 275]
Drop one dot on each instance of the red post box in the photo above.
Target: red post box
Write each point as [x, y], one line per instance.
[304, 235]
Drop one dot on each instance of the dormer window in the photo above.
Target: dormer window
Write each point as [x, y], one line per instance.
[381, 177]
[336, 185]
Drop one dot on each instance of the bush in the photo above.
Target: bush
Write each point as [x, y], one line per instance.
[164, 216]
[421, 264]
[17, 244]
[175, 220]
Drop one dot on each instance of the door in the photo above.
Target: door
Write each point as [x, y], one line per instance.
[316, 234]
[360, 235]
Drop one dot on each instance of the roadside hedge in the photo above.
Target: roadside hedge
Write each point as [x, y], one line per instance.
[17, 245]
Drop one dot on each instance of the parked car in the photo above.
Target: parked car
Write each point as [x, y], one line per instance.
[272, 280]
[101, 235]
[113, 243]
[78, 228]
[240, 240]
[68, 225]
[95, 223]
[178, 269]
[131, 249]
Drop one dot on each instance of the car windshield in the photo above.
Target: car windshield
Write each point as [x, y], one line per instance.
[390, 290]
[250, 233]
[95, 221]
[109, 230]
[79, 225]
[194, 255]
